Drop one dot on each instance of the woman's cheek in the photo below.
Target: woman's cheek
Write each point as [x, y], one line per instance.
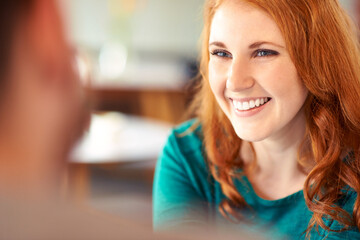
[217, 78]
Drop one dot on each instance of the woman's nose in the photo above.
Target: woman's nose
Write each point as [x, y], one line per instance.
[239, 76]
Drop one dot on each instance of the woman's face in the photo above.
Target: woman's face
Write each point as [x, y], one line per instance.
[251, 74]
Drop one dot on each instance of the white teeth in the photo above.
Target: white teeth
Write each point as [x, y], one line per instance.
[243, 106]
[252, 104]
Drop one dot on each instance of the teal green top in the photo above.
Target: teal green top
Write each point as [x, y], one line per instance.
[186, 195]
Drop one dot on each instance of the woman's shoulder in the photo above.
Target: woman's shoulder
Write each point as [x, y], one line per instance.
[187, 136]
[188, 127]
[184, 149]
[181, 171]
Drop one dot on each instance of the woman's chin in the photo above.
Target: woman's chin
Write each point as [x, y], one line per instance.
[251, 136]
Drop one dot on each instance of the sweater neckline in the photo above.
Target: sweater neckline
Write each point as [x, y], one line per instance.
[251, 196]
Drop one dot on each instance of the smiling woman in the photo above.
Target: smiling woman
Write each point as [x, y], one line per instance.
[276, 139]
[253, 66]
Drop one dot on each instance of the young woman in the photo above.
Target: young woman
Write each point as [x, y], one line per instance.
[277, 134]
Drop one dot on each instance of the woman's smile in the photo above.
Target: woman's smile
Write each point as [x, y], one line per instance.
[250, 106]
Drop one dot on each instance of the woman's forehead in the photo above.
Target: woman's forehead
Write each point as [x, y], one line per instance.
[238, 21]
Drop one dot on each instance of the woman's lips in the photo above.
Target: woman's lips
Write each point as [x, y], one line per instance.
[247, 108]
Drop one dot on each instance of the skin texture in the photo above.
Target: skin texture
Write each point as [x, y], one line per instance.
[249, 60]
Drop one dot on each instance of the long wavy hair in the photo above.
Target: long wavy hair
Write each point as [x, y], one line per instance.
[323, 45]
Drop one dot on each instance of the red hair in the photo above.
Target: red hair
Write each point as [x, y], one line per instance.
[323, 46]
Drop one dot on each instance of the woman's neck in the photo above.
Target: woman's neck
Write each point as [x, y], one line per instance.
[276, 172]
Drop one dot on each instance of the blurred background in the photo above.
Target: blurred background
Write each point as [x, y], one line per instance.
[138, 57]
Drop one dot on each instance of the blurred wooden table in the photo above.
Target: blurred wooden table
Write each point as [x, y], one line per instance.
[167, 104]
[117, 138]
[114, 138]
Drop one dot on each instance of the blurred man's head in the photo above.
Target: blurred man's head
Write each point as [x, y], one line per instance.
[41, 112]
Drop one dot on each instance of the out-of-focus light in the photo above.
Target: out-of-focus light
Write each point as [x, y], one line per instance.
[112, 61]
[83, 69]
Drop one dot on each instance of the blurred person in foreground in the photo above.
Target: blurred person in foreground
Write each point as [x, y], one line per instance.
[41, 103]
[275, 145]
[42, 114]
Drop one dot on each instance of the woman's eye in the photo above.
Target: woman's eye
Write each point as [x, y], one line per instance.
[220, 53]
[265, 53]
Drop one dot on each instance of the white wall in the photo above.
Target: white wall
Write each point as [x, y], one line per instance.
[157, 25]
[168, 25]
[87, 21]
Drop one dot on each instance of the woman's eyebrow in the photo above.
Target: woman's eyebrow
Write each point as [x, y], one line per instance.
[258, 44]
[253, 45]
[217, 44]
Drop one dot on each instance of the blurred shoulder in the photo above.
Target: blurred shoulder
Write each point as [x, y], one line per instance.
[188, 127]
[188, 135]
